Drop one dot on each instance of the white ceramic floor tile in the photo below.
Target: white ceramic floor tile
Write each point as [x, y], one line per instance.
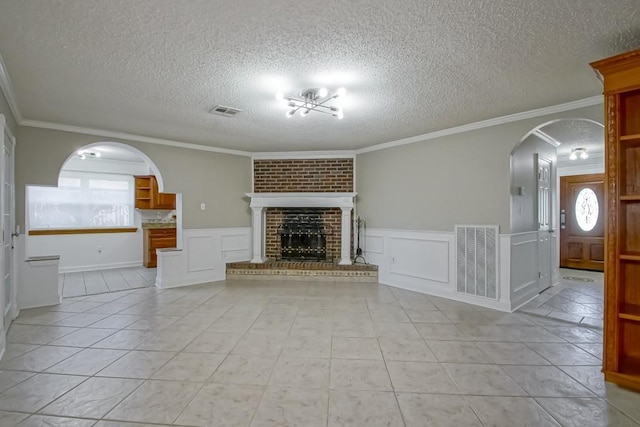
[87, 362]
[580, 412]
[155, 402]
[222, 405]
[286, 406]
[37, 391]
[436, 410]
[93, 398]
[363, 409]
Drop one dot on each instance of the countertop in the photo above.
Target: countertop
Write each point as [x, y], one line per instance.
[158, 224]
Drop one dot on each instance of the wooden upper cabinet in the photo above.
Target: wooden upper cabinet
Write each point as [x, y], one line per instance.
[621, 78]
[148, 197]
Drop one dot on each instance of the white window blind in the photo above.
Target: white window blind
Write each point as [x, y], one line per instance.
[83, 199]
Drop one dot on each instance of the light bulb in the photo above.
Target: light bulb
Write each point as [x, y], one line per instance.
[341, 92]
[323, 92]
[303, 113]
[291, 104]
[584, 155]
[82, 156]
[98, 154]
[290, 113]
[573, 156]
[339, 114]
[80, 152]
[279, 96]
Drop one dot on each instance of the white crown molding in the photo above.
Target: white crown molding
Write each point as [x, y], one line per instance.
[129, 136]
[7, 89]
[285, 155]
[581, 103]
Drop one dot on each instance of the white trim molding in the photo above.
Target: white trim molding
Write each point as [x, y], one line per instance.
[129, 136]
[260, 201]
[574, 105]
[304, 155]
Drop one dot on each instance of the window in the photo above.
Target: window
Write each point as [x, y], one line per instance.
[82, 200]
[587, 209]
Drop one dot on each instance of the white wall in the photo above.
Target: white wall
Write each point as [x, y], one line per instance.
[85, 252]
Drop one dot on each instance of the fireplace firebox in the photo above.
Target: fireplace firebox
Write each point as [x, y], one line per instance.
[303, 235]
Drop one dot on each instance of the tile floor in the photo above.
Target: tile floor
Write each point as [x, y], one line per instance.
[578, 298]
[301, 353]
[102, 281]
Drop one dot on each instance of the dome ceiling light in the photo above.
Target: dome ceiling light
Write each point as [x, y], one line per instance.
[579, 152]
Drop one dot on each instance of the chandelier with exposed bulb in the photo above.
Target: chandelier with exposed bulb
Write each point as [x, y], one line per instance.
[313, 100]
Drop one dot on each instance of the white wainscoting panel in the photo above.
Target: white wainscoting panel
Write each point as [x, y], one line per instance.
[203, 257]
[524, 268]
[424, 261]
[374, 244]
[420, 258]
[199, 250]
[236, 245]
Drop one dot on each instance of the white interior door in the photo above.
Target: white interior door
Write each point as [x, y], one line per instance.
[8, 226]
[544, 223]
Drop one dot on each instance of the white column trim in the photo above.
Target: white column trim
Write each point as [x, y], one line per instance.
[345, 239]
[258, 227]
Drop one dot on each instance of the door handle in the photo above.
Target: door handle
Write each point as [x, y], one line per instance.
[563, 219]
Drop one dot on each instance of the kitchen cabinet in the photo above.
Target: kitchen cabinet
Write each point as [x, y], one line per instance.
[148, 197]
[157, 238]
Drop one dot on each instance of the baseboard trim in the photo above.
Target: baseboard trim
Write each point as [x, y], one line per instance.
[95, 267]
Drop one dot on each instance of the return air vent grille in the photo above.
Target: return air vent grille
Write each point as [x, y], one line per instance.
[223, 110]
[477, 260]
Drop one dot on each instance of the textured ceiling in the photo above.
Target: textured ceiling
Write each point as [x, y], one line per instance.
[576, 133]
[156, 67]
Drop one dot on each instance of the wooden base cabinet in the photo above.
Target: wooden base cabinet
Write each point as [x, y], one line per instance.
[157, 238]
[621, 358]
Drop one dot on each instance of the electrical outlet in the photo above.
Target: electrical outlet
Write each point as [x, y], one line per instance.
[202, 206]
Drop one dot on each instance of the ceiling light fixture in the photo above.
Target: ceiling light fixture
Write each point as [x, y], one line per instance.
[313, 100]
[83, 154]
[579, 152]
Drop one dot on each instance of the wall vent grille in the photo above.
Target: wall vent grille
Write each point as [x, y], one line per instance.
[223, 110]
[477, 260]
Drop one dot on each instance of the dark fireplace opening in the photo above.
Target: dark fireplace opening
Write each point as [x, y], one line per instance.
[303, 235]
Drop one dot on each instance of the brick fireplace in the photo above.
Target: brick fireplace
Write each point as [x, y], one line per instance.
[321, 186]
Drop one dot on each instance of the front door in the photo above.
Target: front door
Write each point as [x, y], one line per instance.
[582, 222]
[544, 223]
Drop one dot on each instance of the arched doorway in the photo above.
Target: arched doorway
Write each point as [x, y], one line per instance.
[91, 219]
[555, 141]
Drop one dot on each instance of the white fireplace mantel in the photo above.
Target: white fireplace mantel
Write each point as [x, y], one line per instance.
[301, 200]
[260, 201]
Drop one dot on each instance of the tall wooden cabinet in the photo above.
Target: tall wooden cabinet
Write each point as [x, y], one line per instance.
[621, 77]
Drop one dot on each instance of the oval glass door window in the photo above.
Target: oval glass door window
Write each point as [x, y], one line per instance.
[587, 209]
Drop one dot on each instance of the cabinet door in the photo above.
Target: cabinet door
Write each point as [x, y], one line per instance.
[163, 242]
[166, 201]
